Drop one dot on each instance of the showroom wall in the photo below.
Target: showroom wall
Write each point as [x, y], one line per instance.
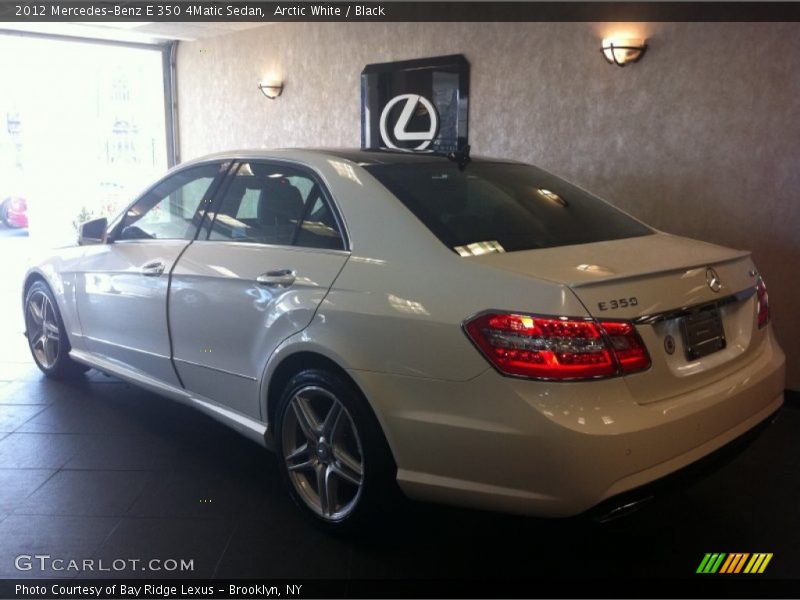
[701, 138]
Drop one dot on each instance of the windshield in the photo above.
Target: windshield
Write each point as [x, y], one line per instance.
[501, 207]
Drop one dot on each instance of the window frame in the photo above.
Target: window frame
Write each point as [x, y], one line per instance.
[204, 230]
[118, 224]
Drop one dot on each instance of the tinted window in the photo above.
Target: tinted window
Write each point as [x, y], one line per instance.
[502, 207]
[274, 204]
[169, 211]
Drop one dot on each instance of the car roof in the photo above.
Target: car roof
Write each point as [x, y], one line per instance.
[381, 157]
[356, 155]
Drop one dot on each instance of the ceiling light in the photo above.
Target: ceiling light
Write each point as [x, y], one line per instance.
[620, 52]
[271, 89]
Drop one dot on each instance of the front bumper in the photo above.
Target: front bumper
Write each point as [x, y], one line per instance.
[558, 449]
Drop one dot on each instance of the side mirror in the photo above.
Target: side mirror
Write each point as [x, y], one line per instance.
[93, 232]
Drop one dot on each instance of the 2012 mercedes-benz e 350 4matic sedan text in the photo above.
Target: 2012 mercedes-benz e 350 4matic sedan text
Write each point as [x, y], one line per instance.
[485, 334]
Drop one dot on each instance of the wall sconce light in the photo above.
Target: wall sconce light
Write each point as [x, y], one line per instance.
[620, 52]
[271, 89]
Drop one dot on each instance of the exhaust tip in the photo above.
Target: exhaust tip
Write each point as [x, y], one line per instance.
[622, 510]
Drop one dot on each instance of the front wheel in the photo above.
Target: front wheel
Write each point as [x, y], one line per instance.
[47, 337]
[333, 455]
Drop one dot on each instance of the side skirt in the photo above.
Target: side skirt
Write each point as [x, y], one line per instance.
[247, 426]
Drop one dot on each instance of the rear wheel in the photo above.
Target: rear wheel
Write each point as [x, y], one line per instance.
[333, 455]
[47, 337]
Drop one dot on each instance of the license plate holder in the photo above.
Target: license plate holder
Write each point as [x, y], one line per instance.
[703, 333]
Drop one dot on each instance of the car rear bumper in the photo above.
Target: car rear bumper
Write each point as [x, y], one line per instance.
[558, 449]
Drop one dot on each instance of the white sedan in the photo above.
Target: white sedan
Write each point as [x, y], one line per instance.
[481, 334]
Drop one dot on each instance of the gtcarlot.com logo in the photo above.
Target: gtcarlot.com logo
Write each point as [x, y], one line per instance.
[735, 562]
[45, 562]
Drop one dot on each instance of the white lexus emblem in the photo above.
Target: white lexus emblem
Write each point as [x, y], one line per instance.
[400, 133]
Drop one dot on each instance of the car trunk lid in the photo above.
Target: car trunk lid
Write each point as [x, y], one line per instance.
[678, 291]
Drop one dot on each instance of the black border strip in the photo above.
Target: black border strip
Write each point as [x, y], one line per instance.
[442, 11]
[691, 586]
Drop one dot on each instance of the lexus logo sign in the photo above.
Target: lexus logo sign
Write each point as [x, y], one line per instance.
[416, 105]
[400, 111]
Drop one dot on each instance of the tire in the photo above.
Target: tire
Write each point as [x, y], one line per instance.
[47, 337]
[349, 453]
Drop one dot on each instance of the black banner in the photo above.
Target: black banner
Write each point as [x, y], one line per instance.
[700, 586]
[140, 10]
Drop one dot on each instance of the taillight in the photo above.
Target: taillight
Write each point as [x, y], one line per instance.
[763, 303]
[627, 345]
[557, 347]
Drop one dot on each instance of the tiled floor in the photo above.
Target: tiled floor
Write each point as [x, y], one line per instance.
[99, 469]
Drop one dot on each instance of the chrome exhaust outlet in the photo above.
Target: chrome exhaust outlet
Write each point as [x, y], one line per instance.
[622, 510]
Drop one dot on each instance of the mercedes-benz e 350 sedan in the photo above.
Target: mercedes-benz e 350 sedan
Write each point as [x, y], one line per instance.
[485, 335]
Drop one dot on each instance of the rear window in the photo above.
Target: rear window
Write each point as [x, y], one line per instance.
[497, 207]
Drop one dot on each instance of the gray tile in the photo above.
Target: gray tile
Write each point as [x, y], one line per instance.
[82, 416]
[12, 416]
[296, 549]
[207, 495]
[128, 452]
[187, 539]
[22, 371]
[15, 348]
[86, 493]
[44, 391]
[17, 484]
[60, 537]
[39, 450]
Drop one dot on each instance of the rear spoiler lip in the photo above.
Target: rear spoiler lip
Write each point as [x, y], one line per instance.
[676, 313]
[735, 255]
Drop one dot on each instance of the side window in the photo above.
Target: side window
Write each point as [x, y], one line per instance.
[319, 228]
[170, 210]
[275, 204]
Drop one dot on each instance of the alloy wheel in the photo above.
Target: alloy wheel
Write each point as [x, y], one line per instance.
[322, 452]
[43, 332]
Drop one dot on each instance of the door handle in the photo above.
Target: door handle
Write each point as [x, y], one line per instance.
[153, 269]
[282, 278]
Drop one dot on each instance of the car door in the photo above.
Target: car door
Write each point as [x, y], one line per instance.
[122, 285]
[255, 276]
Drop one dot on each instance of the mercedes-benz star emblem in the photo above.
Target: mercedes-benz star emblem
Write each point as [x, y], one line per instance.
[414, 105]
[713, 280]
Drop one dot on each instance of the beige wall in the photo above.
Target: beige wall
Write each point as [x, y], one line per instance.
[701, 138]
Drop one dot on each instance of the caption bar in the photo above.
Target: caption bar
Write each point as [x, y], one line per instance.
[134, 10]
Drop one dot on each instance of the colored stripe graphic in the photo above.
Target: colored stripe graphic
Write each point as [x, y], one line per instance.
[718, 562]
[735, 563]
[758, 563]
[727, 564]
[741, 563]
[721, 562]
[711, 562]
[703, 563]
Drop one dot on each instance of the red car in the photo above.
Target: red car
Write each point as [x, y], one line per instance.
[14, 212]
